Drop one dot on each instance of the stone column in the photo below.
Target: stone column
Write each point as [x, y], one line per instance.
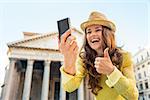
[10, 79]
[45, 84]
[81, 91]
[62, 92]
[28, 79]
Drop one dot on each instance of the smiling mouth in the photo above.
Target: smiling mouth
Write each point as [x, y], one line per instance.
[95, 40]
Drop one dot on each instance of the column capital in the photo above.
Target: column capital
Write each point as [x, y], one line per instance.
[62, 62]
[47, 62]
[12, 59]
[30, 62]
[12, 62]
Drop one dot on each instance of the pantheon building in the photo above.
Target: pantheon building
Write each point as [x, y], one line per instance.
[33, 71]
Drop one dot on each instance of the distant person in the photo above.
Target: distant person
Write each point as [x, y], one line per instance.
[109, 68]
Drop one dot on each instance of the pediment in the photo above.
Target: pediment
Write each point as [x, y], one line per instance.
[46, 41]
[42, 41]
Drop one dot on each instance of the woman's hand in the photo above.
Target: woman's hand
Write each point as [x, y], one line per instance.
[104, 65]
[69, 48]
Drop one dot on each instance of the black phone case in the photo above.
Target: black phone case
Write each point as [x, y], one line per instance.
[63, 26]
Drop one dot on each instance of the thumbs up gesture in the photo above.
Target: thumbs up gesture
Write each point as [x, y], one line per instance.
[104, 64]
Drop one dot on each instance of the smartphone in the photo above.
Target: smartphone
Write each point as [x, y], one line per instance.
[63, 26]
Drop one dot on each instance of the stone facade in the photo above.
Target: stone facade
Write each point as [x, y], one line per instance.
[33, 71]
[142, 73]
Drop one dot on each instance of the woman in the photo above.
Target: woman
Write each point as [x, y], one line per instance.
[109, 69]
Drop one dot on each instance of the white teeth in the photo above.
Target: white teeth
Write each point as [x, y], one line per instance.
[94, 40]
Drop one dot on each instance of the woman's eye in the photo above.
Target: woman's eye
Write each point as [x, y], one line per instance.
[88, 32]
[98, 30]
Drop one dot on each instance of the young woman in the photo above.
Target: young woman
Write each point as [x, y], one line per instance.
[109, 69]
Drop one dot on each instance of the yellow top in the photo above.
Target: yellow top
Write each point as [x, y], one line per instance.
[123, 82]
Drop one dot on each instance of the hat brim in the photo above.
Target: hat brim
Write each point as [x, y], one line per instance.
[106, 23]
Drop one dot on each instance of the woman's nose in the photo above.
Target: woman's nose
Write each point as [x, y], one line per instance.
[93, 33]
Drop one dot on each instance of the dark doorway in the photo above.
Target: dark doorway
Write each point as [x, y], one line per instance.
[57, 90]
[72, 96]
[37, 77]
[54, 80]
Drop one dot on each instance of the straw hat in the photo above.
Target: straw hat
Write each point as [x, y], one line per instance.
[100, 19]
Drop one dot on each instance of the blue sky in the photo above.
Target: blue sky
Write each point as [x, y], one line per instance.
[130, 17]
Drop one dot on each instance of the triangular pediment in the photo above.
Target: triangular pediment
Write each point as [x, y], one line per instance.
[41, 41]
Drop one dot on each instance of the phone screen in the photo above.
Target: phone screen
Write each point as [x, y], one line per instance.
[63, 26]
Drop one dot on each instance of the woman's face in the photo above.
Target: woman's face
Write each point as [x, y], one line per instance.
[94, 37]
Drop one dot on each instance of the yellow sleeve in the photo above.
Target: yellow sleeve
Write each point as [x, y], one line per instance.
[113, 77]
[124, 81]
[70, 82]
